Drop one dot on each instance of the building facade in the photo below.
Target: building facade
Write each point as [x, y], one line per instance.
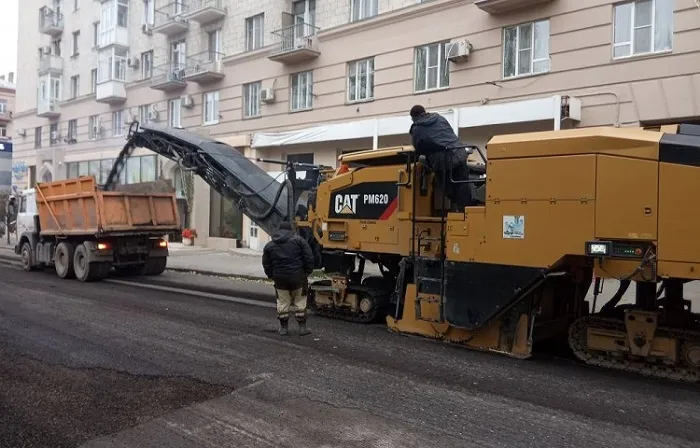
[308, 80]
[7, 107]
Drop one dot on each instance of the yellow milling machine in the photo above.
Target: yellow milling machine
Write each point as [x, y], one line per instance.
[550, 210]
[548, 213]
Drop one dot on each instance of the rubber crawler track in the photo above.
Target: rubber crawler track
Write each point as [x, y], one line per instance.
[577, 342]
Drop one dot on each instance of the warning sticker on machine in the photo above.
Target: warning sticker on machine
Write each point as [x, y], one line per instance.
[513, 227]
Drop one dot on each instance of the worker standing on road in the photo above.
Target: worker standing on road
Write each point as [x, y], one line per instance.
[432, 136]
[288, 261]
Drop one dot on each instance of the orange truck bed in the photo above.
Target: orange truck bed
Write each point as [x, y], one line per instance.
[77, 207]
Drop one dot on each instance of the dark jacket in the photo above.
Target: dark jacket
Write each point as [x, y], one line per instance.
[287, 258]
[432, 133]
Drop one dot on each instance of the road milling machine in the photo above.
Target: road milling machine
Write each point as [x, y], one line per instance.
[548, 212]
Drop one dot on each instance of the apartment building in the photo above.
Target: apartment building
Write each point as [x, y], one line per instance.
[308, 80]
[7, 106]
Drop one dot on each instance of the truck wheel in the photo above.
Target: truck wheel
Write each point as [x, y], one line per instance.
[63, 260]
[155, 266]
[26, 252]
[85, 271]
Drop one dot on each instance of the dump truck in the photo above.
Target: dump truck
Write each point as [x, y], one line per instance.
[83, 231]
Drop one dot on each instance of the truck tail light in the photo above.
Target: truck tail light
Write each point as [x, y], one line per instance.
[162, 243]
[102, 246]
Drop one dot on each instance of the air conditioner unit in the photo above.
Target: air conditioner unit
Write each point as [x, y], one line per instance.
[134, 62]
[187, 101]
[146, 29]
[267, 95]
[46, 50]
[459, 50]
[21, 132]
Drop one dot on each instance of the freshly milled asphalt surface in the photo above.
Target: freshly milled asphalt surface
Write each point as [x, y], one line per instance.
[110, 365]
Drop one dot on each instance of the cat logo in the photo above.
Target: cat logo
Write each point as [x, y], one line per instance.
[346, 204]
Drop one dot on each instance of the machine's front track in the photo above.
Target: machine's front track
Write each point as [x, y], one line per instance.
[686, 367]
[372, 304]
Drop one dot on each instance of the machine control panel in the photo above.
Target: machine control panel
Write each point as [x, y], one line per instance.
[617, 249]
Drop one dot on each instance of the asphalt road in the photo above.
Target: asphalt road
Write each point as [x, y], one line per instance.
[114, 365]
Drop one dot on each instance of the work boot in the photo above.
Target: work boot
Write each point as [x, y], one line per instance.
[303, 331]
[283, 330]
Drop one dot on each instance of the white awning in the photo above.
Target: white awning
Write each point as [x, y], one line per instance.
[539, 109]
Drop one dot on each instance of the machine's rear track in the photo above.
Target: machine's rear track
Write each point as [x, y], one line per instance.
[577, 342]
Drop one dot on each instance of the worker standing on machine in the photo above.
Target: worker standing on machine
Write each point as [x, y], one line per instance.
[432, 136]
[288, 260]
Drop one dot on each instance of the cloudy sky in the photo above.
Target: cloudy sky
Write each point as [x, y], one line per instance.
[8, 36]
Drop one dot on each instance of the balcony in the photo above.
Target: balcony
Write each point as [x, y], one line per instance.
[48, 108]
[118, 37]
[170, 20]
[50, 63]
[205, 12]
[111, 78]
[169, 77]
[295, 44]
[204, 68]
[50, 22]
[504, 6]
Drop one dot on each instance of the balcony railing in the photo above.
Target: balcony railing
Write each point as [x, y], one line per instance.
[50, 63]
[169, 77]
[295, 43]
[204, 67]
[48, 108]
[170, 19]
[205, 11]
[50, 21]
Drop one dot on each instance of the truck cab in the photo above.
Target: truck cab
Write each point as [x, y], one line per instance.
[27, 212]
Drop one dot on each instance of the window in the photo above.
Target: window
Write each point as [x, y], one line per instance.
[53, 134]
[143, 113]
[225, 219]
[55, 47]
[93, 80]
[253, 230]
[178, 54]
[37, 137]
[137, 169]
[361, 80]
[147, 64]
[3, 131]
[76, 5]
[122, 13]
[432, 67]
[94, 127]
[3, 107]
[301, 92]
[363, 9]
[643, 27]
[251, 99]
[175, 113]
[304, 16]
[75, 44]
[73, 130]
[211, 108]
[95, 34]
[149, 12]
[254, 32]
[214, 39]
[526, 49]
[117, 123]
[74, 86]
